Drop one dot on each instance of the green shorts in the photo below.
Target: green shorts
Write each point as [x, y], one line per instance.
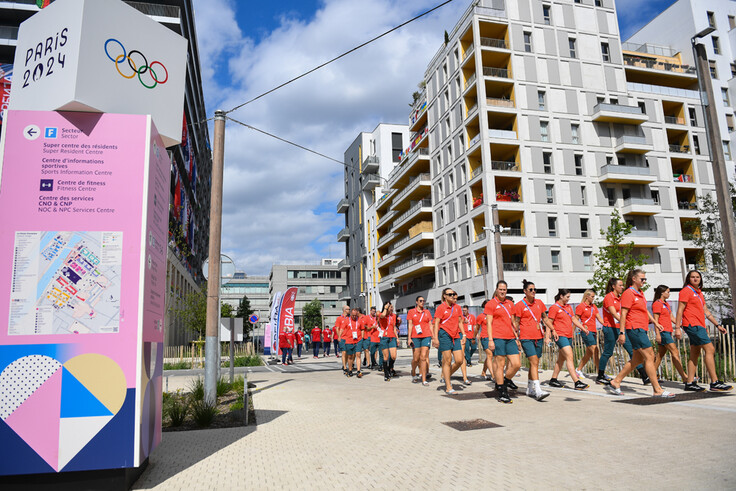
[350, 348]
[563, 341]
[505, 347]
[447, 343]
[484, 343]
[589, 339]
[425, 342]
[666, 338]
[697, 334]
[387, 343]
[532, 347]
[342, 345]
[639, 338]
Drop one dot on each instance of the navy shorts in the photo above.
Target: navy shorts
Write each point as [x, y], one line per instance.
[697, 334]
[422, 342]
[505, 347]
[666, 338]
[563, 341]
[447, 343]
[589, 339]
[638, 338]
[532, 347]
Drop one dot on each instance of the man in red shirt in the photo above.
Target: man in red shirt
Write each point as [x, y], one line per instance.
[375, 341]
[470, 334]
[337, 336]
[316, 340]
[351, 334]
[291, 339]
[299, 335]
[368, 324]
[326, 340]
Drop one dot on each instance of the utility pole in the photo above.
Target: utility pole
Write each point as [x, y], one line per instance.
[720, 176]
[211, 345]
[497, 241]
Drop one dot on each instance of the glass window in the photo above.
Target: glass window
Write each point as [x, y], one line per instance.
[582, 195]
[727, 150]
[578, 165]
[598, 3]
[731, 22]
[711, 19]
[547, 160]
[550, 190]
[713, 69]
[605, 52]
[716, 45]
[547, 14]
[587, 260]
[696, 144]
[693, 118]
[555, 260]
[583, 227]
[573, 50]
[574, 133]
[611, 193]
[544, 130]
[528, 42]
[397, 146]
[724, 96]
[552, 226]
[541, 99]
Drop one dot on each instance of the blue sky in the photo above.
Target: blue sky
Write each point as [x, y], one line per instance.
[279, 202]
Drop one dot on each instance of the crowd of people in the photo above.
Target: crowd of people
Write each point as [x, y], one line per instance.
[506, 328]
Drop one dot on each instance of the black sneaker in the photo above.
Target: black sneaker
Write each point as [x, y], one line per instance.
[693, 387]
[504, 396]
[580, 385]
[429, 376]
[393, 372]
[553, 382]
[386, 378]
[510, 384]
[719, 386]
[360, 374]
[350, 373]
[646, 380]
[602, 381]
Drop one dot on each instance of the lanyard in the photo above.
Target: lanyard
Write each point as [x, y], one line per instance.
[452, 312]
[666, 305]
[421, 318]
[562, 308]
[697, 295]
[504, 308]
[590, 308]
[530, 310]
[350, 324]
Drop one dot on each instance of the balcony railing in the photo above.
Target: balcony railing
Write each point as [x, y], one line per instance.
[343, 234]
[641, 201]
[493, 43]
[644, 232]
[411, 262]
[619, 108]
[626, 169]
[387, 216]
[371, 180]
[511, 232]
[425, 203]
[489, 71]
[505, 165]
[472, 109]
[638, 61]
[476, 172]
[412, 184]
[8, 32]
[469, 82]
[475, 140]
[386, 238]
[514, 267]
[674, 120]
[343, 205]
[371, 164]
[675, 148]
[686, 205]
[682, 178]
[480, 237]
[499, 101]
[505, 134]
[631, 140]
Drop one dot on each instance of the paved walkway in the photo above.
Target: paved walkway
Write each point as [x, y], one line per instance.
[320, 430]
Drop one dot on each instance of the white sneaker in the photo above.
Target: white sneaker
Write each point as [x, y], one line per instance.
[416, 378]
[579, 373]
[539, 394]
[530, 389]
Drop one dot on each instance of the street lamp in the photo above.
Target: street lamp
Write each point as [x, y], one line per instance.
[496, 229]
[720, 177]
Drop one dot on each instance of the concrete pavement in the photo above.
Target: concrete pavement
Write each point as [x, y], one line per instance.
[320, 430]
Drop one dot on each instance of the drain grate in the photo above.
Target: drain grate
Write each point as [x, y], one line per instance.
[692, 396]
[471, 424]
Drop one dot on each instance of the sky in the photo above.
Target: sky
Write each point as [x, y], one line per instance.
[279, 202]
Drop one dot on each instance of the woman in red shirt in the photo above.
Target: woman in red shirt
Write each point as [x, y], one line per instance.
[662, 313]
[387, 332]
[587, 313]
[446, 335]
[563, 320]
[316, 340]
[691, 315]
[635, 319]
[483, 334]
[530, 320]
[502, 341]
[420, 333]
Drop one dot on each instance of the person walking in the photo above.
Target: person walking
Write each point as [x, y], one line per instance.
[447, 332]
[634, 324]
[530, 320]
[291, 339]
[368, 324]
[326, 341]
[691, 314]
[587, 313]
[419, 323]
[285, 347]
[388, 336]
[376, 343]
[352, 335]
[503, 341]
[471, 345]
[316, 341]
[662, 313]
[338, 336]
[482, 328]
[299, 336]
[563, 319]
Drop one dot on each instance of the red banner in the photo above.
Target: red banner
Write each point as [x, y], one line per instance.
[286, 311]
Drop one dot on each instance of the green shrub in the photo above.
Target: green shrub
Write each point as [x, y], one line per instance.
[176, 410]
[196, 389]
[223, 387]
[239, 384]
[178, 365]
[245, 361]
[203, 413]
[237, 406]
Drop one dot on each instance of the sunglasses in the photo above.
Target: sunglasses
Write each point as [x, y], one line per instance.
[643, 280]
[420, 301]
[532, 289]
[451, 294]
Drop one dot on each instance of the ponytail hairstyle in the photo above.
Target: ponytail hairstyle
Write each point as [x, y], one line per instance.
[630, 276]
[611, 283]
[659, 291]
[588, 293]
[526, 284]
[561, 293]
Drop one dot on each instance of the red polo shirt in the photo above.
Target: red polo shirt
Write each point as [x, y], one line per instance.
[694, 313]
[529, 318]
[421, 320]
[637, 317]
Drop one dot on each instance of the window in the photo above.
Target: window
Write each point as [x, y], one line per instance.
[467, 268]
[454, 272]
[578, 165]
[711, 19]
[547, 160]
[555, 260]
[544, 130]
[456, 56]
[440, 193]
[731, 21]
[609, 160]
[450, 158]
[453, 241]
[611, 194]
[450, 183]
[642, 105]
[696, 144]
[458, 87]
[547, 14]
[444, 274]
[552, 226]
[733, 69]
[573, 51]
[463, 174]
[550, 190]
[574, 130]
[724, 96]
[577, 1]
[587, 260]
[605, 52]
[713, 69]
[626, 193]
[655, 196]
[528, 42]
[584, 227]
[693, 118]
[598, 3]
[441, 218]
[614, 100]
[729, 122]
[397, 146]
[716, 45]
[582, 195]
[727, 150]
[463, 203]
[541, 99]
[444, 72]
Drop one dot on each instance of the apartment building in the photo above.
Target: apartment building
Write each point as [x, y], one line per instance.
[191, 161]
[675, 27]
[368, 162]
[536, 120]
[324, 281]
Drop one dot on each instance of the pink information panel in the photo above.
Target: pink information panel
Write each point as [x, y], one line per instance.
[84, 214]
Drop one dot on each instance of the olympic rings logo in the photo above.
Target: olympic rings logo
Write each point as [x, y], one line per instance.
[141, 69]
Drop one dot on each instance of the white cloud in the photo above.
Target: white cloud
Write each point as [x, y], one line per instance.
[273, 192]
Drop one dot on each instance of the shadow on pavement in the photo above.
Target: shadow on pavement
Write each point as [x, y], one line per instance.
[264, 416]
[261, 389]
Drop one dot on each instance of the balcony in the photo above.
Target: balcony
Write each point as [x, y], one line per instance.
[343, 265]
[640, 206]
[469, 82]
[424, 239]
[387, 217]
[617, 113]
[500, 102]
[627, 173]
[474, 141]
[511, 232]
[419, 109]
[343, 205]
[413, 188]
[654, 71]
[504, 165]
[687, 206]
[343, 235]
[480, 237]
[476, 172]
[344, 294]
[385, 239]
[386, 259]
[677, 148]
[515, 267]
[646, 237]
[502, 134]
[495, 72]
[424, 205]
[655, 64]
[493, 43]
[385, 199]
[417, 264]
[371, 164]
[683, 178]
[674, 120]
[370, 181]
[632, 144]
[407, 162]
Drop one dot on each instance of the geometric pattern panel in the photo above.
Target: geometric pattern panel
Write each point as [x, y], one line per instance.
[21, 378]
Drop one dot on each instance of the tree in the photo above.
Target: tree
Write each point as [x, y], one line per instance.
[226, 310]
[616, 258]
[244, 312]
[312, 315]
[706, 234]
[194, 312]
